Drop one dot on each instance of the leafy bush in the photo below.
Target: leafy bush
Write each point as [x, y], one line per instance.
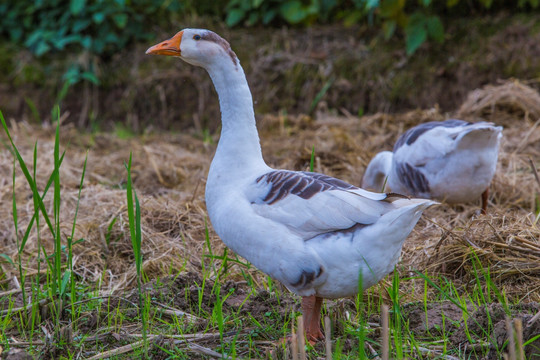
[100, 27]
[252, 12]
[417, 19]
[97, 27]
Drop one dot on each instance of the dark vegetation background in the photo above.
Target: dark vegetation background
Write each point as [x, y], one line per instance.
[356, 56]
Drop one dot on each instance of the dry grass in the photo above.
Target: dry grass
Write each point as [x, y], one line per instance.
[510, 95]
[170, 169]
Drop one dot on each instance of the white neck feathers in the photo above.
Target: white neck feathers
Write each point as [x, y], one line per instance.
[239, 145]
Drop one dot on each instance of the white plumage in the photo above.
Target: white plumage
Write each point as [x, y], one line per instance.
[452, 160]
[314, 233]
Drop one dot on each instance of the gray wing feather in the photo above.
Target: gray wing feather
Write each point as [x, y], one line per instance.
[411, 135]
[302, 184]
[412, 178]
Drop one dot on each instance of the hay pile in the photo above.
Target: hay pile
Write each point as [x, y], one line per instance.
[170, 169]
[509, 96]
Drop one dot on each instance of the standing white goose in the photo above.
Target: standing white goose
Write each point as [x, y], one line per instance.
[314, 233]
[451, 160]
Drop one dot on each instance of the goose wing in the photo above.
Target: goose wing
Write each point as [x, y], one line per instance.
[429, 141]
[310, 204]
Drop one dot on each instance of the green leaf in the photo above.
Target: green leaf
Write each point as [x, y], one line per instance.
[234, 17]
[256, 3]
[15, 34]
[98, 17]
[72, 75]
[389, 27]
[76, 6]
[252, 19]
[120, 20]
[372, 4]
[415, 33]
[86, 42]
[98, 45]
[65, 280]
[268, 16]
[292, 12]
[352, 18]
[111, 38]
[530, 341]
[451, 3]
[233, 3]
[7, 258]
[435, 28]
[78, 241]
[41, 48]
[326, 7]
[391, 8]
[34, 38]
[313, 8]
[79, 25]
[486, 3]
[61, 43]
[90, 76]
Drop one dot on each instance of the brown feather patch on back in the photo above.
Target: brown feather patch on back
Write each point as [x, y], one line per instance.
[391, 197]
[299, 183]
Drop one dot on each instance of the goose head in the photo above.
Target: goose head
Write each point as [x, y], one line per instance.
[198, 47]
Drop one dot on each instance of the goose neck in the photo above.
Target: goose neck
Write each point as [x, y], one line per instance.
[239, 141]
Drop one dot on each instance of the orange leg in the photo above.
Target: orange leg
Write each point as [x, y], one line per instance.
[311, 309]
[485, 196]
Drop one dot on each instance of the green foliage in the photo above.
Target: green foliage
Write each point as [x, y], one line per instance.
[104, 27]
[417, 19]
[96, 28]
[58, 273]
[99, 27]
[251, 12]
[419, 28]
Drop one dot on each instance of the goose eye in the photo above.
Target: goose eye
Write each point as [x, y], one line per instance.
[197, 37]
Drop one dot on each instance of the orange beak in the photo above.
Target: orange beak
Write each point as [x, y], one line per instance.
[169, 47]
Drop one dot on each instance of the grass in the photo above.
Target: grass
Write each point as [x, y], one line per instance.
[225, 308]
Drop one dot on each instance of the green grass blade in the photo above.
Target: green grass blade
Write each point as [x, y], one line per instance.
[19, 247]
[7, 258]
[445, 294]
[131, 214]
[70, 239]
[138, 235]
[312, 159]
[531, 340]
[65, 279]
[321, 93]
[34, 217]
[209, 246]
[27, 175]
[31, 223]
[56, 207]
[134, 218]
